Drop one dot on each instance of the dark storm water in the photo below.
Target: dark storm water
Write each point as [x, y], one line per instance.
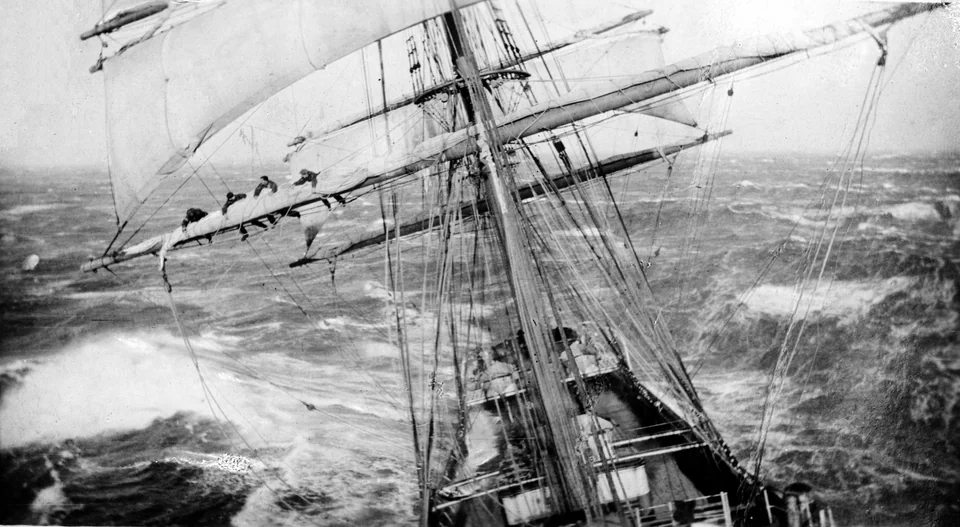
[103, 419]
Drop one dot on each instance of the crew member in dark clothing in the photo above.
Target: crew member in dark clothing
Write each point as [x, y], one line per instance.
[231, 199]
[305, 176]
[265, 183]
[193, 215]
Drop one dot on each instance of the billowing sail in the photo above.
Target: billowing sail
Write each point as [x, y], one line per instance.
[169, 94]
[582, 103]
[604, 43]
[603, 62]
[596, 63]
[573, 107]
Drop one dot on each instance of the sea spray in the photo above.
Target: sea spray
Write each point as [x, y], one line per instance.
[110, 382]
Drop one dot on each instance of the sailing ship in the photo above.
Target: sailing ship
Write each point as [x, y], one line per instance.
[545, 387]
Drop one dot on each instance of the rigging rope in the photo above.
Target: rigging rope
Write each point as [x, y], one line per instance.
[356, 357]
[404, 350]
[854, 150]
[212, 402]
[187, 179]
[703, 178]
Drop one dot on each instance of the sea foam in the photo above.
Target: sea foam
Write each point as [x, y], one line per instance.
[113, 382]
[840, 298]
[50, 500]
[913, 211]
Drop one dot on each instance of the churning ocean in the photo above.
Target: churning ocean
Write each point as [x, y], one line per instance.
[104, 419]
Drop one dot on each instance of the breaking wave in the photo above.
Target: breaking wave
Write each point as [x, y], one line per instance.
[114, 382]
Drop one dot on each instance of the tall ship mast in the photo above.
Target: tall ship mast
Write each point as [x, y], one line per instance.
[540, 380]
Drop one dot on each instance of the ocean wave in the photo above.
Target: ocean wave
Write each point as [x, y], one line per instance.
[377, 290]
[912, 211]
[156, 296]
[379, 349]
[322, 483]
[128, 478]
[224, 462]
[914, 171]
[798, 217]
[655, 200]
[10, 238]
[12, 374]
[591, 232]
[50, 501]
[889, 156]
[112, 382]
[779, 185]
[745, 208]
[847, 299]
[342, 322]
[21, 210]
[883, 230]
[908, 212]
[88, 391]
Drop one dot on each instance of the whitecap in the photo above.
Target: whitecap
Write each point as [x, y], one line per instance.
[912, 211]
[847, 299]
[111, 382]
[343, 322]
[50, 500]
[21, 210]
[379, 349]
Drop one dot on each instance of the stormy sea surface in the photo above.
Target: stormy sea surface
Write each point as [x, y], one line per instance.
[106, 419]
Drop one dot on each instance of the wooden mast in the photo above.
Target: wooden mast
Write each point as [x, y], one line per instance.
[566, 480]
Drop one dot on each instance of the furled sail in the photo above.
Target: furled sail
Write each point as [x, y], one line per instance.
[169, 94]
[124, 18]
[296, 200]
[426, 221]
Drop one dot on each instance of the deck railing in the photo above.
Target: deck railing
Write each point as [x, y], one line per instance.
[714, 509]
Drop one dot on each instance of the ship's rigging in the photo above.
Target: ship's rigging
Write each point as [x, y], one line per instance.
[506, 172]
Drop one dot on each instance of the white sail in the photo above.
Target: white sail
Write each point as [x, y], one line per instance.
[169, 94]
[407, 101]
[589, 101]
[598, 63]
[603, 63]
[573, 107]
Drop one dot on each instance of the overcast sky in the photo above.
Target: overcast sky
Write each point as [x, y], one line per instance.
[52, 109]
